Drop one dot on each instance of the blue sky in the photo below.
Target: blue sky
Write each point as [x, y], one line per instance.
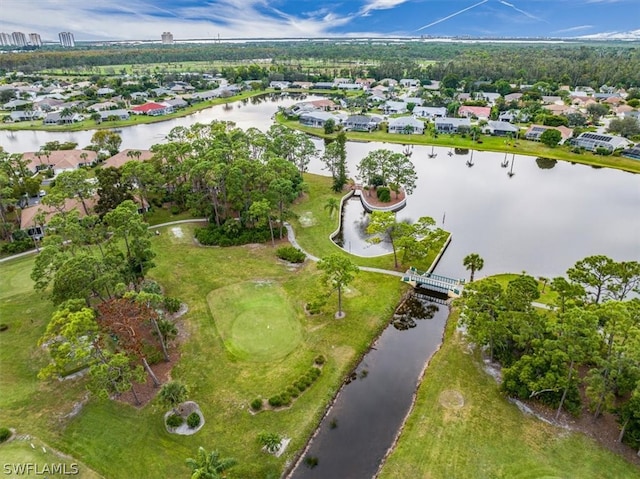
[147, 19]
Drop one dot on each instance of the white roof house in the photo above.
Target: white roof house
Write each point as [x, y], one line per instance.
[406, 125]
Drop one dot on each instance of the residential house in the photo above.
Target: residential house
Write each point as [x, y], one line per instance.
[122, 157]
[105, 91]
[56, 118]
[430, 112]
[452, 125]
[502, 128]
[324, 105]
[410, 82]
[349, 86]
[175, 103]
[417, 101]
[13, 104]
[406, 125]
[560, 109]
[29, 218]
[512, 97]
[323, 85]
[316, 119]
[365, 82]
[489, 97]
[303, 85]
[361, 123]
[19, 115]
[152, 109]
[392, 107]
[139, 95]
[280, 85]
[513, 116]
[535, 132]
[109, 115]
[592, 141]
[552, 99]
[59, 160]
[105, 105]
[161, 91]
[480, 112]
[632, 153]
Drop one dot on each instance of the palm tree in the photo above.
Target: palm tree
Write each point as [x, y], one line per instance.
[332, 205]
[209, 465]
[474, 263]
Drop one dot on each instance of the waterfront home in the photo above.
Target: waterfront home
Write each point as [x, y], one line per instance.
[502, 128]
[361, 123]
[122, 157]
[592, 141]
[452, 125]
[152, 109]
[406, 125]
[109, 115]
[535, 132]
[316, 119]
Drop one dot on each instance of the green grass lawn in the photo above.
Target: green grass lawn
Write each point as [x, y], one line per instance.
[256, 321]
[485, 436]
[23, 451]
[221, 381]
[547, 296]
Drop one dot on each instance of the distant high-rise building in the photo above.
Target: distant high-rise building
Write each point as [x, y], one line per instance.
[167, 38]
[35, 40]
[6, 40]
[66, 39]
[19, 39]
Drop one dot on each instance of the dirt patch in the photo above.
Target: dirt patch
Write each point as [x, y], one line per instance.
[373, 200]
[451, 399]
[177, 232]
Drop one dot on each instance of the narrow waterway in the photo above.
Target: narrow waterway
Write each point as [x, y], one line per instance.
[368, 412]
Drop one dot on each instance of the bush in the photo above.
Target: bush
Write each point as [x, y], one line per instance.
[4, 327]
[293, 391]
[275, 401]
[193, 420]
[301, 385]
[175, 420]
[270, 441]
[16, 247]
[174, 210]
[290, 254]
[232, 233]
[150, 286]
[320, 360]
[256, 404]
[172, 305]
[384, 194]
[286, 399]
[5, 434]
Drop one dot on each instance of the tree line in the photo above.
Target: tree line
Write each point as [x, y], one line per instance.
[568, 63]
[589, 341]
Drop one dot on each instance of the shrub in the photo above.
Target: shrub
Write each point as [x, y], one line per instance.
[172, 305]
[5, 434]
[320, 360]
[275, 401]
[286, 399]
[300, 385]
[4, 327]
[256, 404]
[293, 391]
[150, 286]
[290, 254]
[193, 420]
[174, 210]
[173, 393]
[384, 194]
[232, 233]
[270, 441]
[16, 247]
[313, 372]
[174, 420]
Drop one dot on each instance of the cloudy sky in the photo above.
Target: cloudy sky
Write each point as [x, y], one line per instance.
[147, 19]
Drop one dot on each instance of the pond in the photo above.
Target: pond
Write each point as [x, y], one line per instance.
[254, 112]
[540, 220]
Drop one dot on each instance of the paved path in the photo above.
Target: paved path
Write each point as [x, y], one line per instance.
[291, 236]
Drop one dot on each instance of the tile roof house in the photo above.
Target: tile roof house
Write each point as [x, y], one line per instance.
[59, 160]
[535, 132]
[481, 112]
[120, 158]
[34, 229]
[152, 109]
[406, 125]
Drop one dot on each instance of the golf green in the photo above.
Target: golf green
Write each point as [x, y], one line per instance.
[255, 320]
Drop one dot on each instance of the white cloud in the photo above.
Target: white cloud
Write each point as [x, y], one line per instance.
[371, 5]
[574, 29]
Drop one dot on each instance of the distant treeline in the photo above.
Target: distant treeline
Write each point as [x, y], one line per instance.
[616, 64]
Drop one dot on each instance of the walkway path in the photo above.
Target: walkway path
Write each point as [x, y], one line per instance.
[291, 236]
[152, 227]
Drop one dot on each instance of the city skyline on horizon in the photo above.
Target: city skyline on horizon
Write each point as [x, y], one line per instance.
[122, 20]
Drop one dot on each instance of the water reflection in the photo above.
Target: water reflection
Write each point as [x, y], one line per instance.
[411, 309]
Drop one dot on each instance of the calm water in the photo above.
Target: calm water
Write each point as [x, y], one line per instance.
[254, 112]
[361, 425]
[539, 220]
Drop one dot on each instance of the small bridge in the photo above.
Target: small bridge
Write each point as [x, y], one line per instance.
[433, 282]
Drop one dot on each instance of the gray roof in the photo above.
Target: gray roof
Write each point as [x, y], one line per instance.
[457, 122]
[503, 126]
